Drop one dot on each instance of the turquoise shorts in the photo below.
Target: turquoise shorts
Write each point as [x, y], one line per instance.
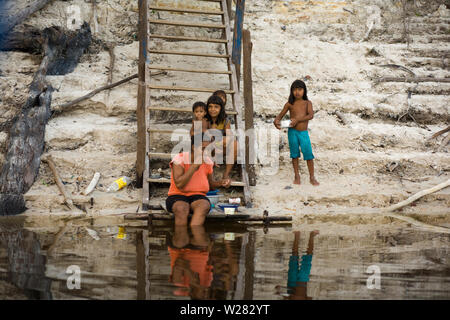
[300, 140]
[299, 275]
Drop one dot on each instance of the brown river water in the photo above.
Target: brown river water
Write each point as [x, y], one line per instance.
[65, 259]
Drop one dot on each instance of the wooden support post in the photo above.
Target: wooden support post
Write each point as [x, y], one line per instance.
[229, 8]
[142, 91]
[248, 105]
[142, 266]
[249, 266]
[237, 38]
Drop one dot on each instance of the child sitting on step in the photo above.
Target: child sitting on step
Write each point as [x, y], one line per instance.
[199, 114]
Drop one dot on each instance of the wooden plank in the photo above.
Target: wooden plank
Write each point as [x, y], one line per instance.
[142, 94]
[187, 89]
[187, 24]
[188, 70]
[250, 266]
[248, 105]
[236, 100]
[193, 11]
[158, 155]
[213, 216]
[160, 36]
[165, 180]
[184, 53]
[237, 37]
[164, 131]
[142, 265]
[187, 110]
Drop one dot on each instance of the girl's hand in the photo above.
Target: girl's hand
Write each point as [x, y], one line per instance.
[277, 124]
[293, 123]
[225, 183]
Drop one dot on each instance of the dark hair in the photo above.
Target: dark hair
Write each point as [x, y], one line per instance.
[220, 93]
[199, 104]
[222, 115]
[298, 84]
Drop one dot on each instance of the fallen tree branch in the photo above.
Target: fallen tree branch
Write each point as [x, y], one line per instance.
[93, 93]
[96, 91]
[419, 224]
[396, 66]
[412, 79]
[417, 196]
[437, 134]
[67, 198]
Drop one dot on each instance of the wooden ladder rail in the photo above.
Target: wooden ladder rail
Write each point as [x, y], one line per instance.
[142, 112]
[236, 99]
[144, 30]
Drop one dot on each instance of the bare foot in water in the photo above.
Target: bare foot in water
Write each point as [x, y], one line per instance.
[297, 180]
[313, 181]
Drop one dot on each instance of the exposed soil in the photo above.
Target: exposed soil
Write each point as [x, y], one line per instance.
[380, 156]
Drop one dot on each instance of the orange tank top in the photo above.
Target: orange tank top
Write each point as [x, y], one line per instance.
[198, 184]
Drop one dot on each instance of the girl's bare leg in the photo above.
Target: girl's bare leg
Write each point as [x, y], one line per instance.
[200, 208]
[312, 179]
[229, 166]
[297, 174]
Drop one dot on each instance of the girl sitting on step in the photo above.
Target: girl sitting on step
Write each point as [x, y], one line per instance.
[218, 120]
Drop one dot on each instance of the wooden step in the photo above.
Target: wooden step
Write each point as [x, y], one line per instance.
[194, 54]
[160, 36]
[195, 11]
[187, 89]
[187, 24]
[187, 110]
[188, 70]
[165, 180]
[158, 155]
[168, 131]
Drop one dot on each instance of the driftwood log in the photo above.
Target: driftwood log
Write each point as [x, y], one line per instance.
[10, 19]
[437, 134]
[67, 198]
[62, 50]
[417, 196]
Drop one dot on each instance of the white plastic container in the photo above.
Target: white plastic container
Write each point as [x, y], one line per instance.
[119, 184]
[230, 210]
[285, 123]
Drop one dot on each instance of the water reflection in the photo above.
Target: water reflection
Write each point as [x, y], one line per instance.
[24, 261]
[299, 270]
[189, 261]
[220, 262]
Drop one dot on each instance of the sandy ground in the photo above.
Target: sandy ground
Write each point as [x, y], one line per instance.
[368, 163]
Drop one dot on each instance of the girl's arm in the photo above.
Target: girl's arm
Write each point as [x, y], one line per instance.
[182, 178]
[280, 116]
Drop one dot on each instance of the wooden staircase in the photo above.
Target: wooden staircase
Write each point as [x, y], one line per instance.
[145, 104]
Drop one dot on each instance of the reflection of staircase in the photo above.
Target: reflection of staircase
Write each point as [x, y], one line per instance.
[171, 63]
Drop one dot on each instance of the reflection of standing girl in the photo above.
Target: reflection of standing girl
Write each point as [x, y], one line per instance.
[298, 275]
